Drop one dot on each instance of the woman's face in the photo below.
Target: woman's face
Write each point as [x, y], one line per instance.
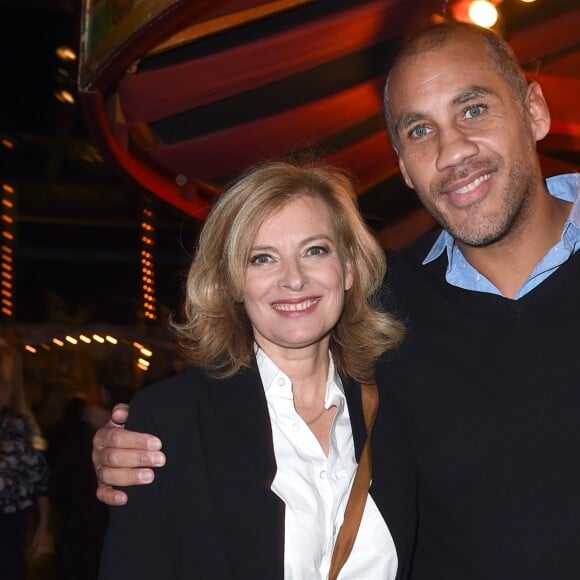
[296, 278]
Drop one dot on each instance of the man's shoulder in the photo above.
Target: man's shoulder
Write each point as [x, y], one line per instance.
[407, 278]
[405, 266]
[413, 254]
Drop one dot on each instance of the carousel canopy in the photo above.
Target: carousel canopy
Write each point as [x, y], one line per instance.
[183, 95]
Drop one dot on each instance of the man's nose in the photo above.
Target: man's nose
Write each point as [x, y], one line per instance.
[455, 146]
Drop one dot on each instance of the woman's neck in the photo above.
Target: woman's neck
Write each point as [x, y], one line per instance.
[307, 368]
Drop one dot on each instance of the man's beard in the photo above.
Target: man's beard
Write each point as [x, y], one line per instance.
[484, 230]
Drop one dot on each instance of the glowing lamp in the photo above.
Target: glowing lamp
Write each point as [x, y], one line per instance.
[483, 13]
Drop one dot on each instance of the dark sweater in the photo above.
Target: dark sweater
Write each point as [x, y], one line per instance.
[488, 390]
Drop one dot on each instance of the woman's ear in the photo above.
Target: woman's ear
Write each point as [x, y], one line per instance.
[348, 275]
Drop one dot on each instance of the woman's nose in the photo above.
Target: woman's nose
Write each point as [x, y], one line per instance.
[294, 276]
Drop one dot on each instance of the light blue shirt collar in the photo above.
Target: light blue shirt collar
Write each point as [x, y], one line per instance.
[462, 274]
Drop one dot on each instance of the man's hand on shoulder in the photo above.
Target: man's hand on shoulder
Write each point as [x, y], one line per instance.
[122, 457]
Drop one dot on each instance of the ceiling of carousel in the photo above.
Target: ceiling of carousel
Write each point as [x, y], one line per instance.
[176, 97]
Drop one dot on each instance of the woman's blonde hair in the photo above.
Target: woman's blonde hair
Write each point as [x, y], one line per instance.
[217, 332]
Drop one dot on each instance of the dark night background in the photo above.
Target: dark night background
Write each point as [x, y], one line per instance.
[77, 247]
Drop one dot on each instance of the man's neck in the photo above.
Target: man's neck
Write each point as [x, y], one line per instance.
[509, 262]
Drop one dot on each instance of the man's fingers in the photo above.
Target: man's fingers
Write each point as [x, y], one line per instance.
[124, 476]
[112, 457]
[111, 436]
[120, 413]
[111, 496]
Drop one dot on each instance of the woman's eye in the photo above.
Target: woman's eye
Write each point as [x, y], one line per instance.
[317, 251]
[260, 259]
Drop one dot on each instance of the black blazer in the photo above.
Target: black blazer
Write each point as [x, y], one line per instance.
[210, 512]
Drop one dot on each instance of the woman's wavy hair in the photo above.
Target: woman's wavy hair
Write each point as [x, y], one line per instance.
[216, 331]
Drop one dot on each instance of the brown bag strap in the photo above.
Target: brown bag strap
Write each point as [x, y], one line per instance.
[360, 487]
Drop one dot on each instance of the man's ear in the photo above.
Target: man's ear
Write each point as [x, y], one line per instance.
[404, 172]
[537, 111]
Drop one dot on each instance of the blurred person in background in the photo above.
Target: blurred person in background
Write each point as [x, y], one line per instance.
[81, 520]
[24, 506]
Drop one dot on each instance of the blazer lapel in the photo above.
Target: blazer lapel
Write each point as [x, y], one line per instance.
[240, 458]
[241, 409]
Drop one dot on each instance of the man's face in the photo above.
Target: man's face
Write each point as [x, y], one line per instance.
[466, 146]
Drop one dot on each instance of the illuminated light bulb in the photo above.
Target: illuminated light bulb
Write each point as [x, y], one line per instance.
[71, 339]
[58, 342]
[111, 339]
[98, 338]
[85, 338]
[64, 97]
[66, 53]
[30, 348]
[483, 13]
[528, 1]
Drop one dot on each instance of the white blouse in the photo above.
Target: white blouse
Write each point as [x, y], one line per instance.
[315, 487]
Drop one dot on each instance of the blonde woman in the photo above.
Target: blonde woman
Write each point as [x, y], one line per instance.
[262, 434]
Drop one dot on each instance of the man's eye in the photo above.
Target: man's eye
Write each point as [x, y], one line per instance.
[418, 132]
[474, 111]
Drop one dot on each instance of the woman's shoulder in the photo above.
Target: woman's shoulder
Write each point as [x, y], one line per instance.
[193, 388]
[168, 402]
[179, 400]
[187, 383]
